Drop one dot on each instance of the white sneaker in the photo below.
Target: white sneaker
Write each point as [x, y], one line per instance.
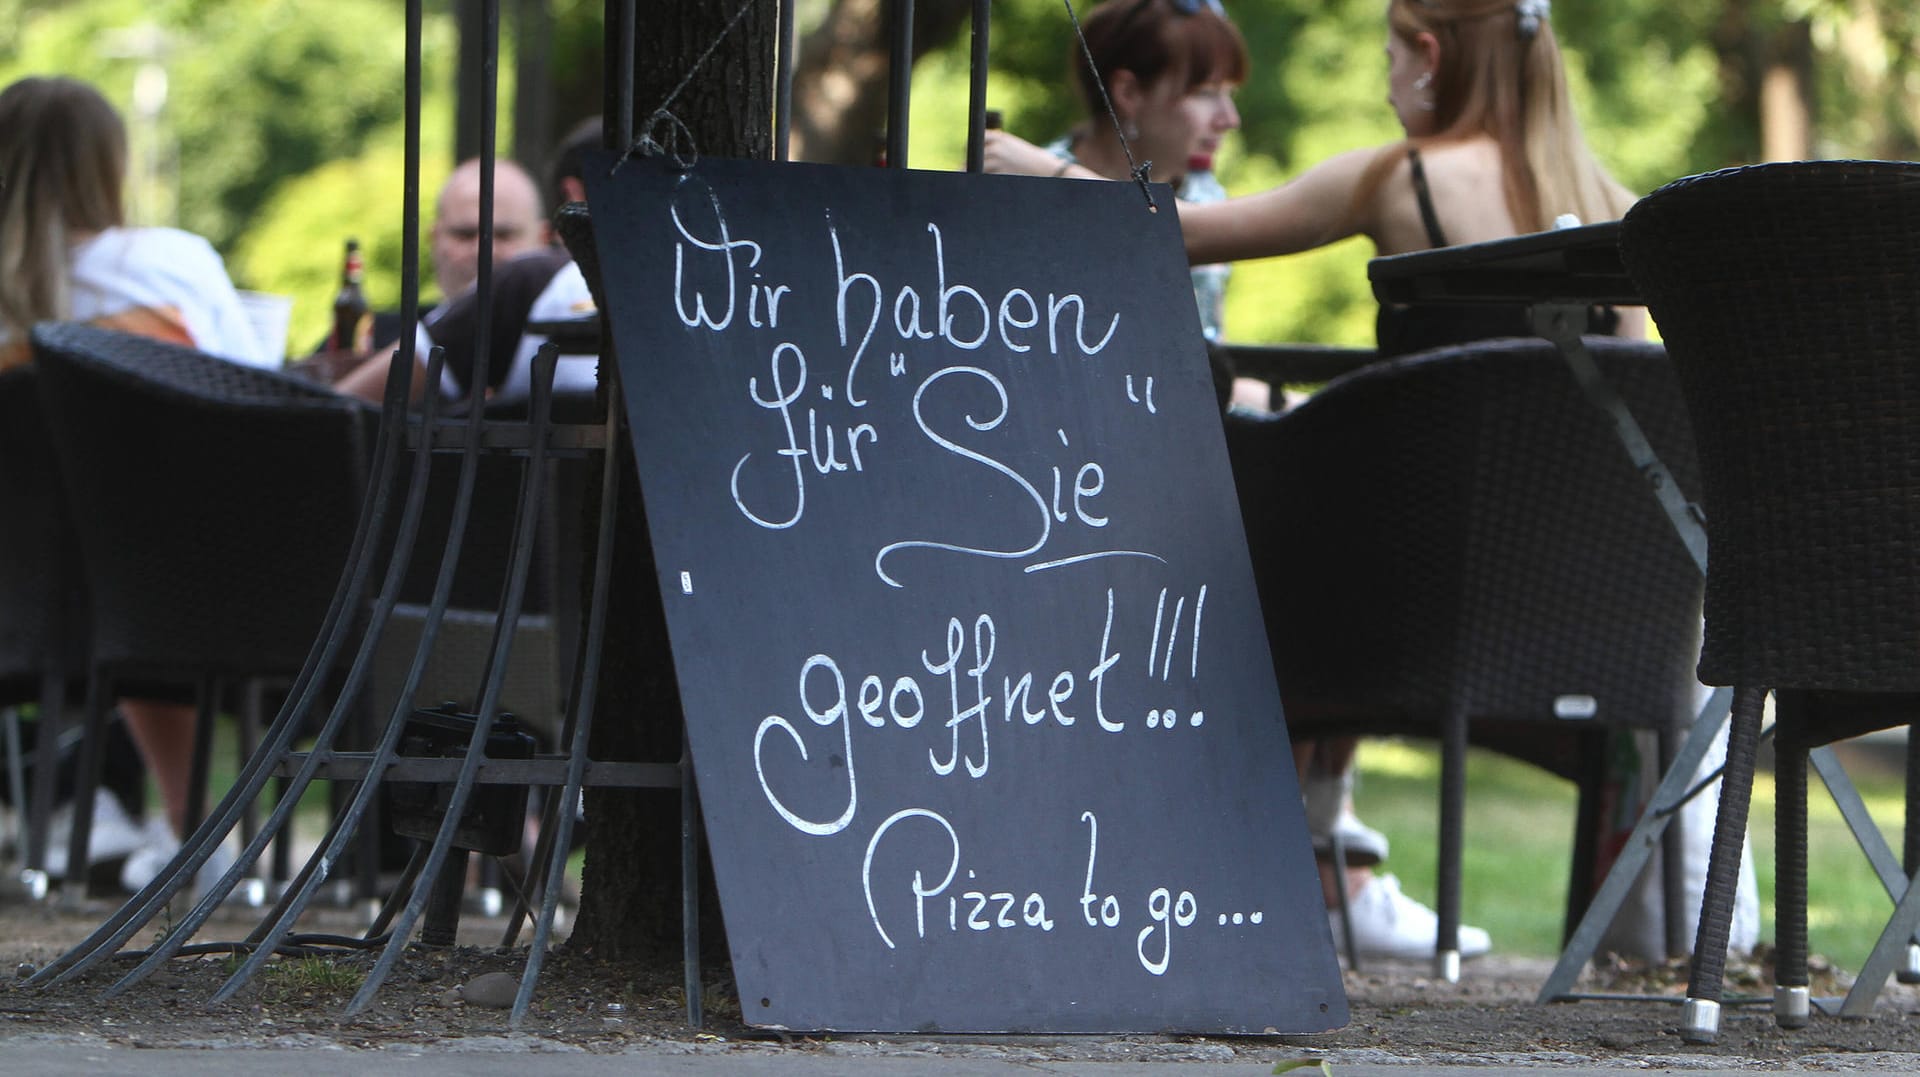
[1329, 805]
[114, 834]
[1389, 924]
[146, 862]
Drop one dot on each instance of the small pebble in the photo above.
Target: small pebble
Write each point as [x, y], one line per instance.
[23, 970]
[492, 989]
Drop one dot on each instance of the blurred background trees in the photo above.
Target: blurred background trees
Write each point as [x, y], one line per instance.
[273, 126]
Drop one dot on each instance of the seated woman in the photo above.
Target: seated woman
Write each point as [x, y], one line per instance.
[1492, 150]
[1170, 68]
[66, 254]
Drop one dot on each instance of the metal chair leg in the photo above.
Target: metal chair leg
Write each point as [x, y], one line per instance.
[1453, 806]
[206, 709]
[16, 782]
[1676, 787]
[73, 889]
[1909, 970]
[39, 800]
[1343, 899]
[1701, 1021]
[1792, 1001]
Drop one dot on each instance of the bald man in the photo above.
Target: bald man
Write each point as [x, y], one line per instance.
[539, 287]
[519, 223]
[520, 227]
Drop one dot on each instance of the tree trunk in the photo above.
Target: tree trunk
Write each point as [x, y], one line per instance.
[1786, 95]
[630, 901]
[840, 81]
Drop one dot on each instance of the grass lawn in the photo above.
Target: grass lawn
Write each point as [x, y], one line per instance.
[1519, 841]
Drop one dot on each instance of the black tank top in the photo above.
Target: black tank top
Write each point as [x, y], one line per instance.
[1401, 329]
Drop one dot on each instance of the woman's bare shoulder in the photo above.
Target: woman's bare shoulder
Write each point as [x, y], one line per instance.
[1466, 179]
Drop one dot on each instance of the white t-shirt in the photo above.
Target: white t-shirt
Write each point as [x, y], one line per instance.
[165, 283]
[564, 297]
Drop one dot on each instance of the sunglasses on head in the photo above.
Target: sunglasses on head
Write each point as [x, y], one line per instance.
[1180, 7]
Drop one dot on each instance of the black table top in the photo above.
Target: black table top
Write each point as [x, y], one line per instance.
[1568, 265]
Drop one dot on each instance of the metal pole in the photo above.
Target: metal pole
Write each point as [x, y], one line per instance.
[977, 90]
[899, 82]
[783, 90]
[618, 108]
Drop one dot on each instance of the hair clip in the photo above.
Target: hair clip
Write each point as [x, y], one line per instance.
[1531, 13]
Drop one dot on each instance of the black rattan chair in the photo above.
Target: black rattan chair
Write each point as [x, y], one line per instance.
[213, 506]
[1454, 545]
[1789, 295]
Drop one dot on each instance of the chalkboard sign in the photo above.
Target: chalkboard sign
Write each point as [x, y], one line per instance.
[975, 678]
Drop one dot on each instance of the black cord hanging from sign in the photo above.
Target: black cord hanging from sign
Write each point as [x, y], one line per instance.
[1137, 169]
[679, 135]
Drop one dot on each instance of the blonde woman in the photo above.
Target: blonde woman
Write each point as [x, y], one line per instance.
[1492, 150]
[66, 254]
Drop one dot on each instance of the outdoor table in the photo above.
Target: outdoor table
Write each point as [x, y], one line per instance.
[1558, 275]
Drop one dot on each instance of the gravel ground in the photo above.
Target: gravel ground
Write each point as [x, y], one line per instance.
[439, 998]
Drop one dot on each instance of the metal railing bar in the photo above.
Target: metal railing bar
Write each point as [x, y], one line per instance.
[977, 90]
[783, 89]
[261, 768]
[295, 900]
[490, 697]
[579, 720]
[899, 80]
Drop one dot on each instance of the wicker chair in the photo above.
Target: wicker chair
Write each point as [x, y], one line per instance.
[1454, 545]
[1789, 295]
[213, 506]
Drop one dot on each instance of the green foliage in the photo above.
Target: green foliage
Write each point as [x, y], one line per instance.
[295, 251]
[280, 133]
[1646, 79]
[281, 130]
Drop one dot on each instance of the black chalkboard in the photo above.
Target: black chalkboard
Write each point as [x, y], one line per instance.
[978, 692]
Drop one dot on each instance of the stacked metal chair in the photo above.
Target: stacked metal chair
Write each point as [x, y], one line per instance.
[1453, 545]
[1789, 297]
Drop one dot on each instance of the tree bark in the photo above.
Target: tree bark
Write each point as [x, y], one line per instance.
[630, 903]
[840, 79]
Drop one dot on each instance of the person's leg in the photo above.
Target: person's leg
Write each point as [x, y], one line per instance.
[1326, 783]
[163, 731]
[1386, 922]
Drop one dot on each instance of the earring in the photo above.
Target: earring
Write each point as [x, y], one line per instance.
[1422, 84]
[1130, 131]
